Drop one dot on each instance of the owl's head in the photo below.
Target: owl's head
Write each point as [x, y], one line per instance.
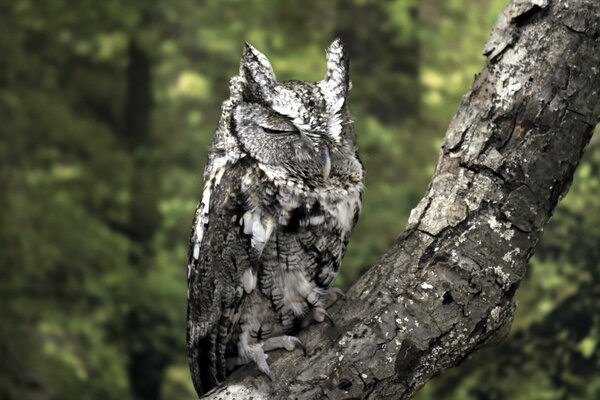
[299, 127]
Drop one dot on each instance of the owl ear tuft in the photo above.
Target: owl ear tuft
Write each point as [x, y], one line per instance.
[337, 80]
[257, 73]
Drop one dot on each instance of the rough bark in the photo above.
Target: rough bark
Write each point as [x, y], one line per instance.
[445, 288]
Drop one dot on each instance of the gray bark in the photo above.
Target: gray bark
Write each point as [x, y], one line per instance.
[445, 288]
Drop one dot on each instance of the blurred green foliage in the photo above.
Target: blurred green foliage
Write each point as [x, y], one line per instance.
[107, 110]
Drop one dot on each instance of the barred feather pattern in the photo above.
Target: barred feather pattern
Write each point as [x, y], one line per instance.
[282, 193]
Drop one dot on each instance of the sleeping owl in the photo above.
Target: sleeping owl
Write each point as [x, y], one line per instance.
[282, 193]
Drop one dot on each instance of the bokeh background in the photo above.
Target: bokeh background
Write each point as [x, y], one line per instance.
[106, 111]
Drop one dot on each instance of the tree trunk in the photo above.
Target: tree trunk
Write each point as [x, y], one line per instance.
[445, 288]
[146, 363]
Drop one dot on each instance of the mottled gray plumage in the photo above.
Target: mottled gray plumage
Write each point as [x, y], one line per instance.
[282, 193]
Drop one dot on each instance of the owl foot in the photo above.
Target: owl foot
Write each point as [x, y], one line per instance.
[283, 342]
[257, 352]
[253, 353]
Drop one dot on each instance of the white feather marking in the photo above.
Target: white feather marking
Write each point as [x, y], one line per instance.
[261, 232]
[219, 174]
[344, 214]
[334, 100]
[335, 128]
[248, 222]
[295, 290]
[258, 230]
[285, 103]
[274, 173]
[249, 280]
[259, 226]
[285, 109]
[216, 172]
[203, 212]
[317, 219]
[301, 124]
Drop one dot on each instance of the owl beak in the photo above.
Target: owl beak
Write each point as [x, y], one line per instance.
[326, 160]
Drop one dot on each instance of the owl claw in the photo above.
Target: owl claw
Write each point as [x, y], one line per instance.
[283, 342]
[260, 358]
[303, 347]
[278, 342]
[298, 344]
[320, 315]
[267, 374]
[330, 320]
[257, 353]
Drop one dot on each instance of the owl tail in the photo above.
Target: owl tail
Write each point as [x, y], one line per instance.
[202, 361]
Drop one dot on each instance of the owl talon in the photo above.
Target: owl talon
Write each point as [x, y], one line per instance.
[289, 343]
[320, 315]
[267, 374]
[298, 344]
[260, 358]
[303, 347]
[257, 353]
[330, 320]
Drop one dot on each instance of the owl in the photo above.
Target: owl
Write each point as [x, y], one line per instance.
[282, 193]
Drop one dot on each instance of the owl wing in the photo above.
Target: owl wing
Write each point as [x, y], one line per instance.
[219, 254]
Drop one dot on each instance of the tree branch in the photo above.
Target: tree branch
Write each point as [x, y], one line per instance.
[445, 288]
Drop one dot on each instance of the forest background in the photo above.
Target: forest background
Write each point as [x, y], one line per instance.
[107, 110]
